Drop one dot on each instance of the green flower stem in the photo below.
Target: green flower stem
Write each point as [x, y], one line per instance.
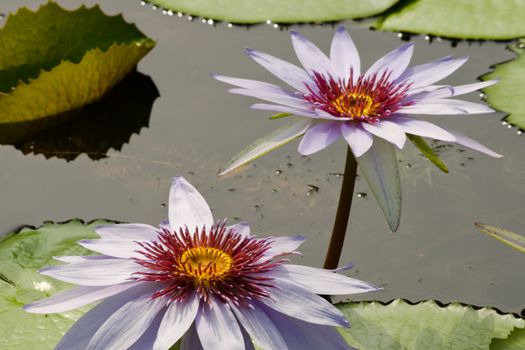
[343, 212]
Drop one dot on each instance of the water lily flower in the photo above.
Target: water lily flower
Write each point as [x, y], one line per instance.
[213, 286]
[330, 98]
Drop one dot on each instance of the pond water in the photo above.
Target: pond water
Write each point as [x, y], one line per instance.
[195, 126]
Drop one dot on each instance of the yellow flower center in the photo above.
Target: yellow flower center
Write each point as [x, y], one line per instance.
[355, 105]
[204, 263]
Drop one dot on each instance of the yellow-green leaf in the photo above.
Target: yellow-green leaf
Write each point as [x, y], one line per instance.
[427, 151]
[54, 60]
[511, 239]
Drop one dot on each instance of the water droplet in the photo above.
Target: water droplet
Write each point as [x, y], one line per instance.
[153, 7]
[278, 172]
[481, 95]
[400, 35]
[210, 22]
[203, 20]
[509, 126]
[230, 25]
[438, 38]
[179, 14]
[143, 3]
[276, 26]
[164, 12]
[408, 166]
[190, 18]
[268, 21]
[427, 37]
[520, 132]
[170, 13]
[361, 194]
[163, 205]
[274, 190]
[503, 123]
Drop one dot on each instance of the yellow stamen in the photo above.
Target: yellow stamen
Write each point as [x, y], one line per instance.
[355, 105]
[205, 263]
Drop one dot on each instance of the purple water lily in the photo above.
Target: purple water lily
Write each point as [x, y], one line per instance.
[333, 99]
[213, 286]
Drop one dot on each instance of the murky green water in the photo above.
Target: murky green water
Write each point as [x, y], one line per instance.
[196, 126]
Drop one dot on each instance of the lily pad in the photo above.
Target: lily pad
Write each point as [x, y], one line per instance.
[92, 130]
[507, 94]
[289, 11]
[54, 60]
[511, 239]
[426, 325]
[464, 19]
[21, 255]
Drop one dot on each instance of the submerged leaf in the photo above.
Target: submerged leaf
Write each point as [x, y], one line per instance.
[507, 95]
[21, 255]
[516, 341]
[91, 130]
[289, 11]
[67, 59]
[379, 167]
[427, 151]
[426, 325]
[466, 19]
[511, 239]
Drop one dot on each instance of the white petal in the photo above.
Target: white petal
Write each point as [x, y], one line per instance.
[248, 83]
[242, 228]
[283, 245]
[422, 128]
[141, 232]
[319, 136]
[430, 92]
[125, 326]
[300, 303]
[187, 206]
[260, 327]
[118, 248]
[387, 130]
[357, 138]
[445, 107]
[465, 89]
[94, 273]
[275, 97]
[312, 59]
[79, 259]
[344, 55]
[287, 72]
[395, 62]
[321, 281]
[302, 112]
[429, 73]
[303, 335]
[177, 320]
[268, 143]
[75, 298]
[379, 167]
[80, 334]
[470, 143]
[191, 340]
[217, 327]
[147, 339]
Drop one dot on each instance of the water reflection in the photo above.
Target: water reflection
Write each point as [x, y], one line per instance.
[94, 129]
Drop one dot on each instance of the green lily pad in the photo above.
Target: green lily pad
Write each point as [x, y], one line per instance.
[427, 325]
[507, 94]
[289, 11]
[465, 19]
[516, 341]
[511, 239]
[21, 255]
[92, 130]
[54, 60]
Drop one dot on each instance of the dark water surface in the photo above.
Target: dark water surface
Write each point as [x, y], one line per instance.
[196, 126]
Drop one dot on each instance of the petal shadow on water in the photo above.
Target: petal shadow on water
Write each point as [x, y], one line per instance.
[93, 129]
